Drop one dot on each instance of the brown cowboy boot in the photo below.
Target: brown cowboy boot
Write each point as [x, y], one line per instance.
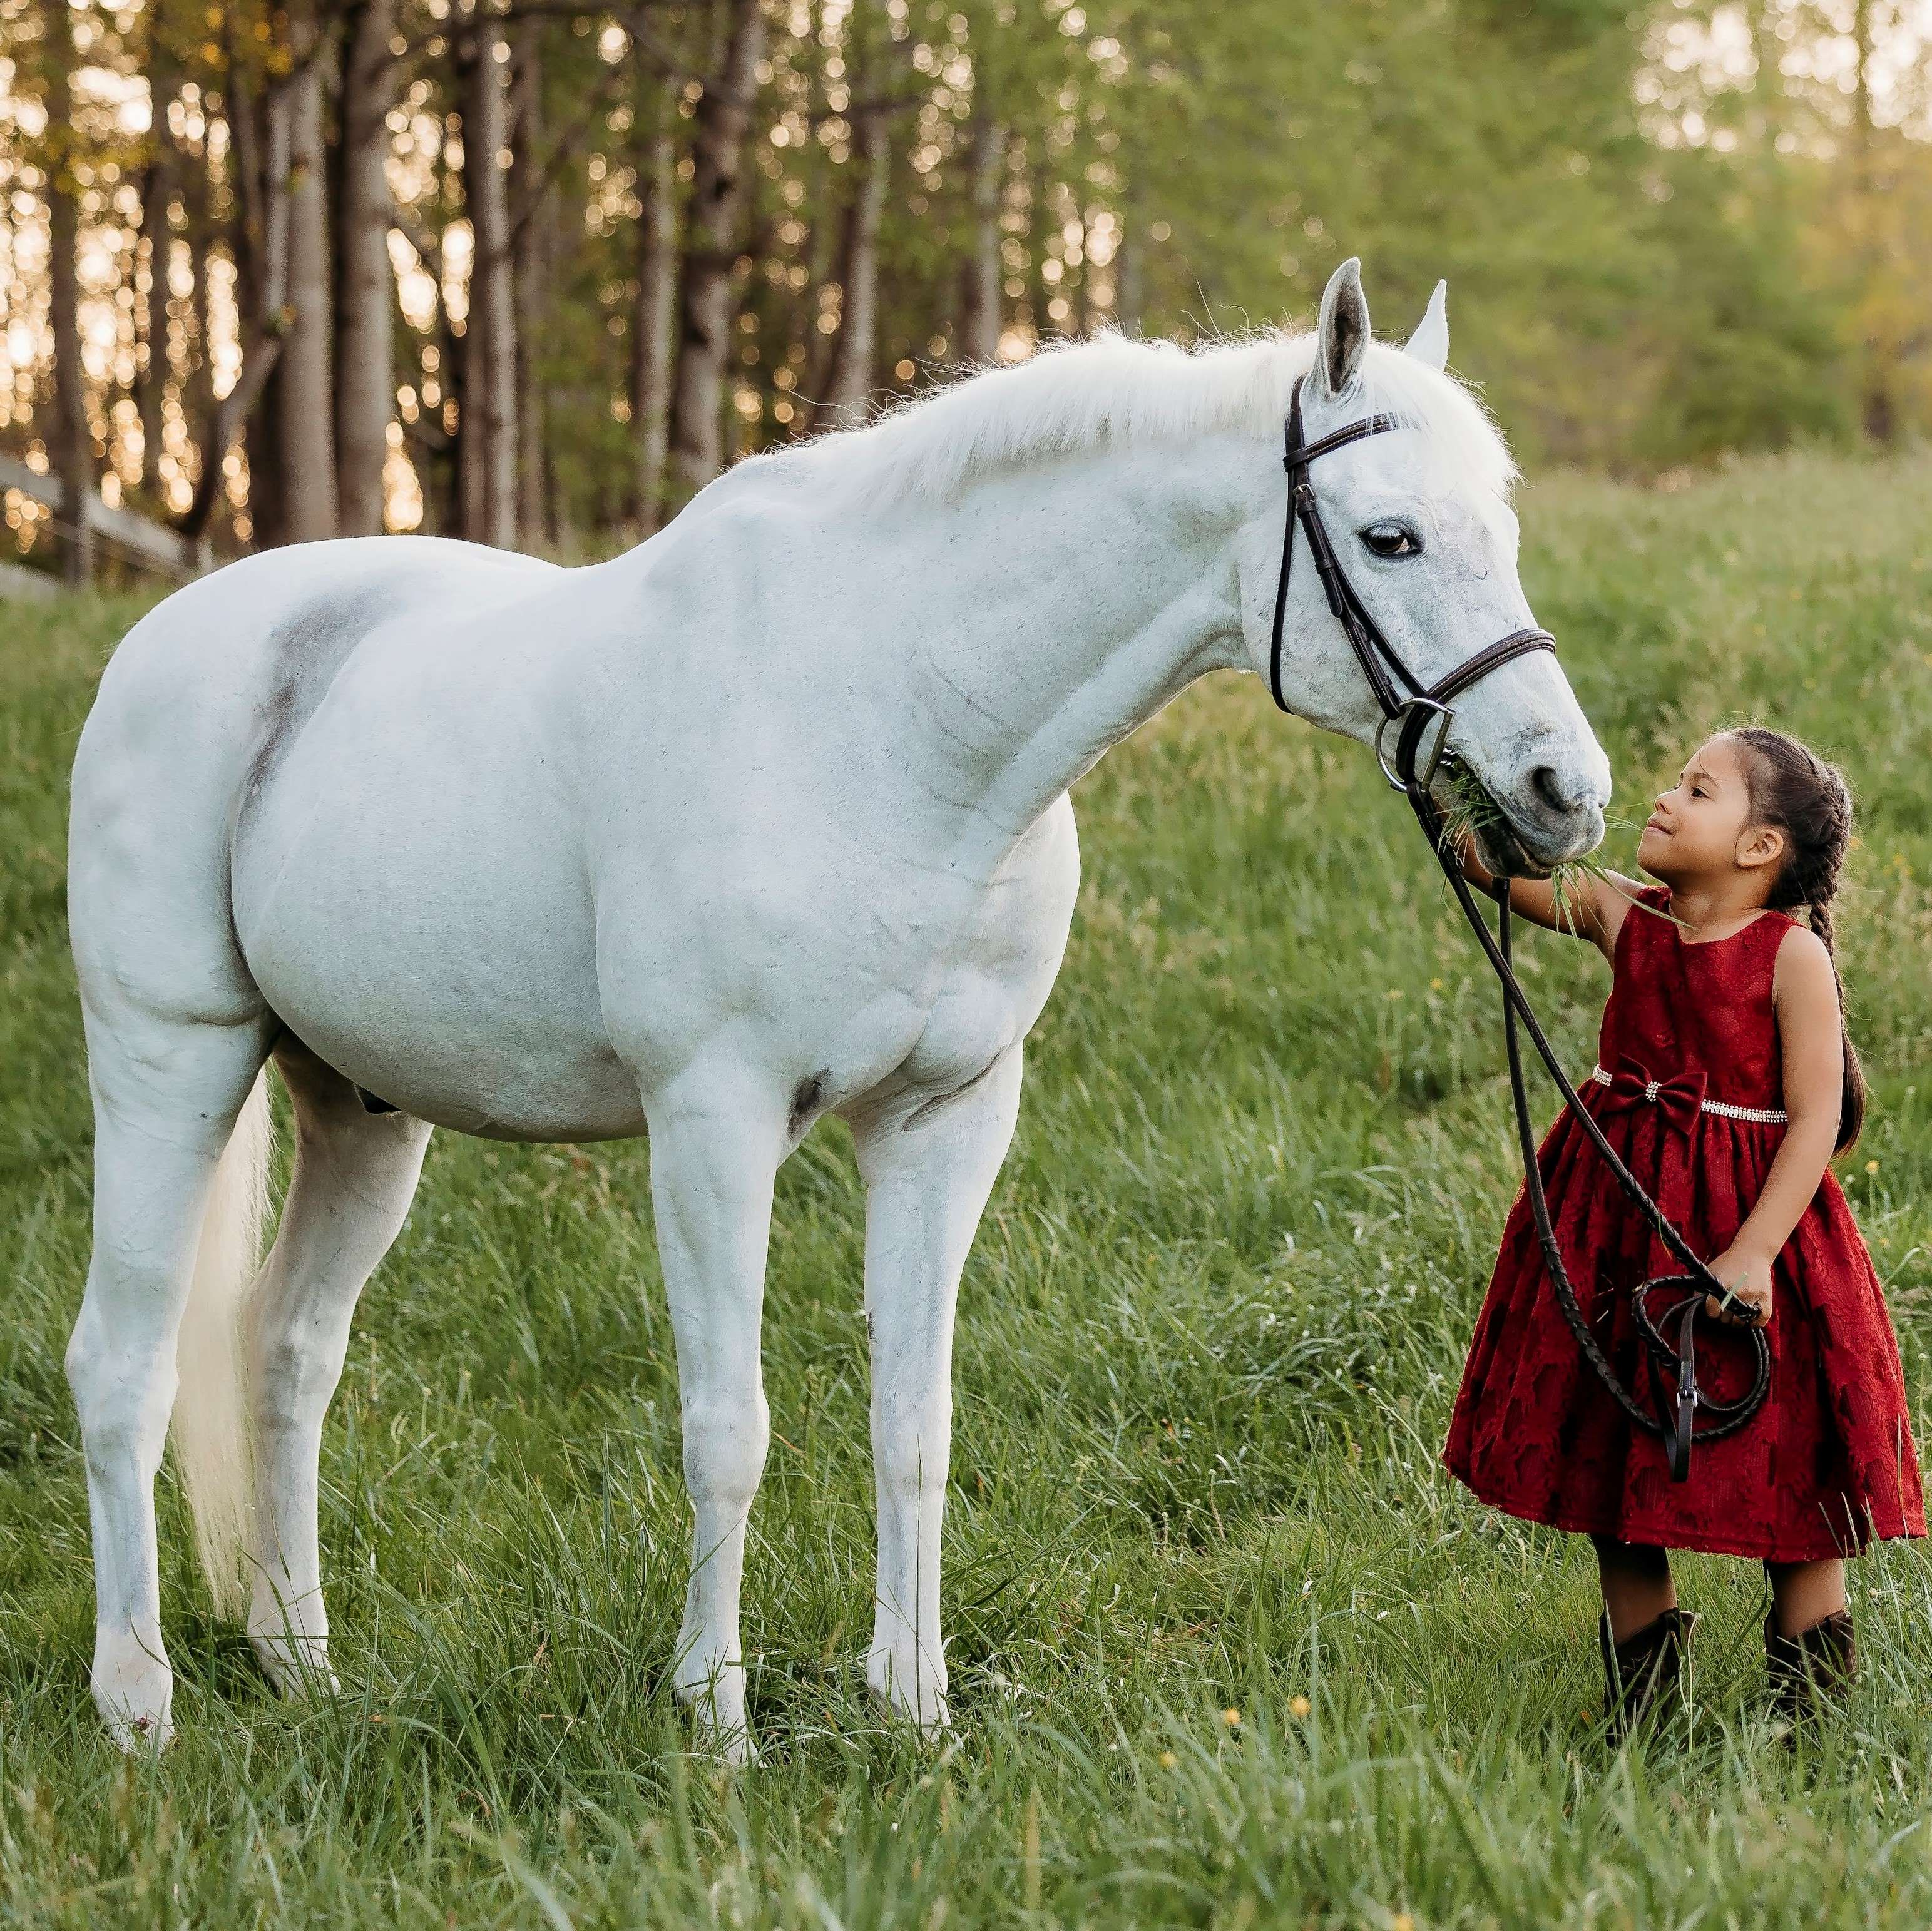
[1643, 1673]
[1813, 1668]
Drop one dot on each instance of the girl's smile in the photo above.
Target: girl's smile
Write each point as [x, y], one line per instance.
[1701, 829]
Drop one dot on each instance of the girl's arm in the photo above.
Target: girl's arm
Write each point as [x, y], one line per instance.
[1805, 992]
[1593, 908]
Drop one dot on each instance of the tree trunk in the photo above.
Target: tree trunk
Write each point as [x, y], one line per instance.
[488, 452]
[536, 252]
[1863, 36]
[1039, 229]
[1129, 278]
[724, 118]
[1877, 413]
[259, 134]
[71, 444]
[305, 375]
[1766, 116]
[1084, 313]
[365, 382]
[977, 344]
[156, 239]
[454, 372]
[849, 381]
[151, 370]
[197, 388]
[651, 328]
[440, 455]
[822, 250]
[251, 128]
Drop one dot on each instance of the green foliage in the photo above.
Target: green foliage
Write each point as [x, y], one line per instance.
[1660, 247]
[1757, 363]
[1624, 304]
[1619, 302]
[1207, 1346]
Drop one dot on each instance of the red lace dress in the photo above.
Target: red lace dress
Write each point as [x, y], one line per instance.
[1828, 1462]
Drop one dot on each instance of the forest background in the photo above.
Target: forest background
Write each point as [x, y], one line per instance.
[532, 271]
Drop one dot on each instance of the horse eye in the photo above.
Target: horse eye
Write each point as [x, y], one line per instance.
[1392, 539]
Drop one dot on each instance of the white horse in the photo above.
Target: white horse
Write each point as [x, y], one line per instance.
[765, 819]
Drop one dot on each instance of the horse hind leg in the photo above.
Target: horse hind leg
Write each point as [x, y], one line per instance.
[179, 1148]
[355, 1176]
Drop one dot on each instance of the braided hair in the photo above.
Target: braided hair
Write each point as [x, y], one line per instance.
[1796, 791]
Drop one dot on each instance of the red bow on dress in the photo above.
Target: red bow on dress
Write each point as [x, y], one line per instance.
[1679, 1098]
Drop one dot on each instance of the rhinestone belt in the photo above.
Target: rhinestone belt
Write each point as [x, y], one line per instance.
[1767, 1116]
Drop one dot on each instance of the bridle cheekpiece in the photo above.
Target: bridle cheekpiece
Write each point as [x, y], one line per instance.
[1421, 720]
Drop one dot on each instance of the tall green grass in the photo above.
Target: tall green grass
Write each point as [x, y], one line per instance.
[1228, 1648]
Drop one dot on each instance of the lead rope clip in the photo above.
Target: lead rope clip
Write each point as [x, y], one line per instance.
[1688, 1397]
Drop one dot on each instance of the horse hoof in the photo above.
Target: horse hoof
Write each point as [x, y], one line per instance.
[134, 1691]
[735, 1747]
[715, 1698]
[138, 1725]
[297, 1671]
[908, 1689]
[140, 1736]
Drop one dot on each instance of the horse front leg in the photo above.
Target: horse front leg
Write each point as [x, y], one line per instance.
[713, 1160]
[927, 1172]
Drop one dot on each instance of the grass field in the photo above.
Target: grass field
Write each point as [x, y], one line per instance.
[1227, 1646]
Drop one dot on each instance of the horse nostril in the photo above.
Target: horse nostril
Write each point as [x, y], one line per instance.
[1549, 789]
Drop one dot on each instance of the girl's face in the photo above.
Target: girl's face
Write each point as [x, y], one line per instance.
[1702, 828]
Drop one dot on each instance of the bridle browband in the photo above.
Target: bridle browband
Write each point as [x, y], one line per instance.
[1427, 706]
[1426, 709]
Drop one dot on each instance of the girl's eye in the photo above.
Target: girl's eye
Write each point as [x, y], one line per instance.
[1392, 539]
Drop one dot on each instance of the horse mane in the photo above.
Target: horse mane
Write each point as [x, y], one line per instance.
[1078, 397]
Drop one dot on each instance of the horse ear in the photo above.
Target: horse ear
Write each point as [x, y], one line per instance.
[1341, 334]
[1430, 341]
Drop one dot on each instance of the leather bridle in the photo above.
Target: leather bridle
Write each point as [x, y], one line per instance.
[1426, 709]
[1422, 719]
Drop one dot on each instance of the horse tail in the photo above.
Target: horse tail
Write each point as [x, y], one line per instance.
[213, 1443]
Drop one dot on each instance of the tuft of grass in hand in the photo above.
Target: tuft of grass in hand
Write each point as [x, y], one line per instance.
[1472, 810]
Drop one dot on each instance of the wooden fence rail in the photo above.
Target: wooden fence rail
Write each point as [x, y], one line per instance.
[138, 538]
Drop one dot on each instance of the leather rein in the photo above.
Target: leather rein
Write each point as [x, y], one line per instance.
[1421, 721]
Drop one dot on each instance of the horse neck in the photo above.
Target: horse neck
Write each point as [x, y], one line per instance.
[1077, 600]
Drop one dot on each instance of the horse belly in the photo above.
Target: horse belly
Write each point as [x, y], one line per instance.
[436, 946]
[513, 1053]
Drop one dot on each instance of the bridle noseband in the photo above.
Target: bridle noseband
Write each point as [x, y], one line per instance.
[1425, 712]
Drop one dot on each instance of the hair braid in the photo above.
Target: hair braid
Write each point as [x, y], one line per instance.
[1796, 792]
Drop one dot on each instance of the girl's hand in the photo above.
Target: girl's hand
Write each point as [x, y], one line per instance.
[1594, 909]
[1748, 1274]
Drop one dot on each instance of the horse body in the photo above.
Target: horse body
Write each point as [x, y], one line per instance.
[766, 818]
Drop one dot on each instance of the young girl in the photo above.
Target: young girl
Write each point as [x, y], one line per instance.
[1726, 1083]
